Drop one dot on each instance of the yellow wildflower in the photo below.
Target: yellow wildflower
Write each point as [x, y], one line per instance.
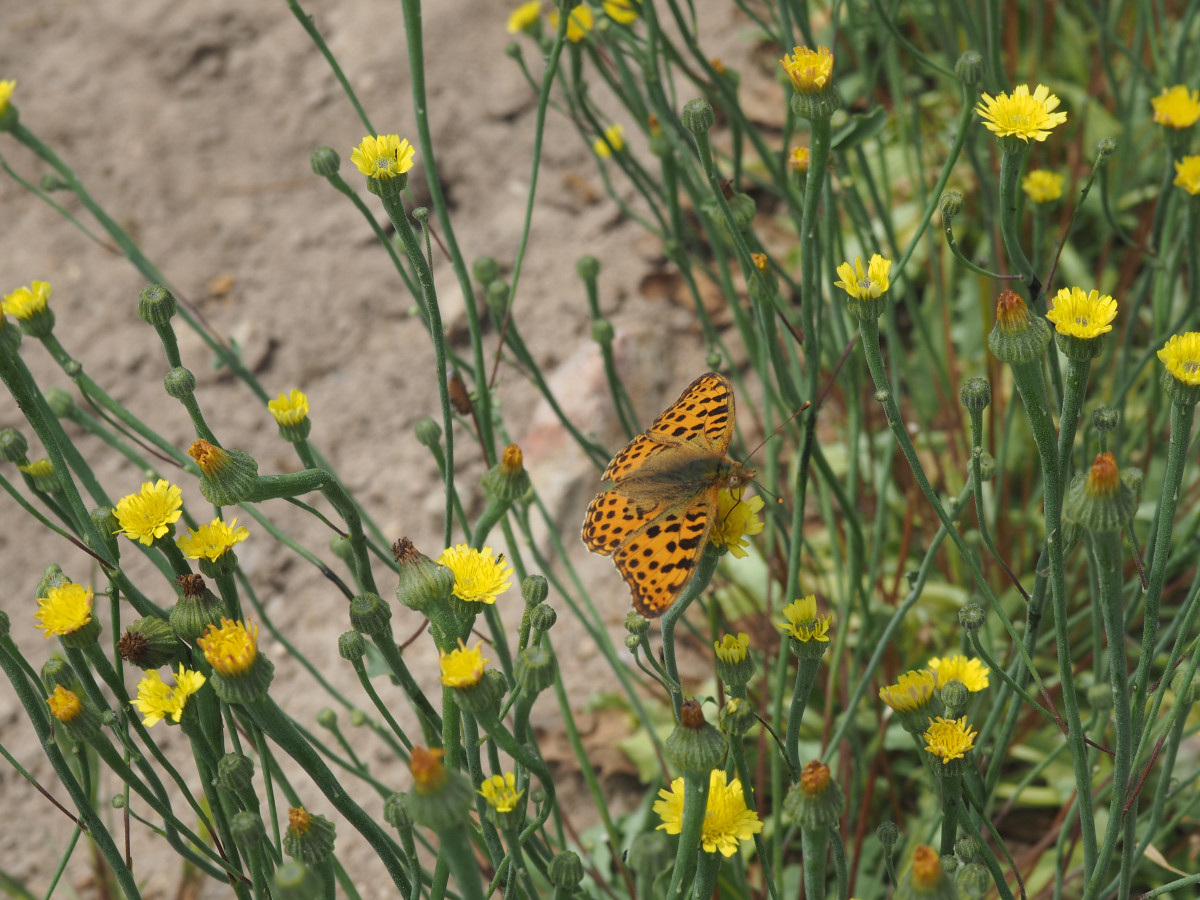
[212, 541]
[26, 302]
[1081, 315]
[478, 578]
[64, 610]
[383, 156]
[1176, 107]
[737, 519]
[727, 820]
[1021, 114]
[148, 514]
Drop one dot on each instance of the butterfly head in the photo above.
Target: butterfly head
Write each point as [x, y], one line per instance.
[739, 476]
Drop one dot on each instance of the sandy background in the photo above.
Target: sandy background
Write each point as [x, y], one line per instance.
[192, 124]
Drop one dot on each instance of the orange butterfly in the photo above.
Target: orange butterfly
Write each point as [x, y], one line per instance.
[659, 498]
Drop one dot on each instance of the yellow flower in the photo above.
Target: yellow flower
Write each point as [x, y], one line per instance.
[156, 700]
[622, 12]
[213, 540]
[428, 770]
[41, 468]
[383, 156]
[761, 262]
[727, 820]
[1081, 315]
[865, 285]
[926, 873]
[478, 578]
[612, 142]
[500, 792]
[64, 705]
[1176, 107]
[1042, 185]
[798, 159]
[809, 70]
[26, 302]
[949, 739]
[1181, 355]
[911, 691]
[230, 649]
[803, 623]
[64, 610]
[150, 512]
[1021, 115]
[290, 408]
[970, 671]
[462, 667]
[578, 25]
[6, 91]
[1187, 174]
[732, 649]
[737, 519]
[524, 16]
[1103, 478]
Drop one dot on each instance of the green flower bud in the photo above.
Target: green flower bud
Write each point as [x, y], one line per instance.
[973, 880]
[196, 609]
[156, 305]
[327, 719]
[694, 747]
[235, 774]
[966, 848]
[75, 715]
[1105, 147]
[248, 830]
[325, 162]
[1188, 696]
[950, 205]
[227, 477]
[1105, 418]
[370, 615]
[815, 801]
[1017, 337]
[482, 700]
[57, 672]
[955, 697]
[887, 834]
[534, 590]
[60, 402]
[987, 466]
[485, 270]
[424, 584]
[1100, 501]
[971, 616]
[429, 432]
[975, 394]
[351, 646]
[587, 268]
[603, 332]
[309, 838]
[636, 625]
[969, 68]
[496, 297]
[735, 666]
[697, 116]
[542, 618]
[737, 717]
[52, 577]
[149, 643]
[566, 871]
[295, 881]
[395, 812]
[714, 360]
[357, 718]
[507, 481]
[14, 448]
[535, 669]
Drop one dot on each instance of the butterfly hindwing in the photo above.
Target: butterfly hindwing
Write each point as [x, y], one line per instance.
[658, 561]
[614, 515]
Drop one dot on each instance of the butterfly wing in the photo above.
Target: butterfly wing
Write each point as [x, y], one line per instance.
[702, 418]
[658, 560]
[614, 515]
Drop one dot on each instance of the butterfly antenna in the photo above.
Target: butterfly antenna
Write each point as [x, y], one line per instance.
[778, 428]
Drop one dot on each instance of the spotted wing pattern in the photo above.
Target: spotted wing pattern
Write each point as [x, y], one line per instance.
[655, 526]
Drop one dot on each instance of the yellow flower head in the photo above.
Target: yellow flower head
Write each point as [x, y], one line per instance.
[731, 649]
[64, 705]
[623, 12]
[1081, 315]
[1021, 114]
[578, 25]
[230, 649]
[1103, 479]
[911, 691]
[949, 739]
[1176, 107]
[803, 624]
[462, 667]
[809, 70]
[64, 610]
[1181, 355]
[478, 578]
[383, 156]
[41, 468]
[761, 262]
[156, 700]
[1012, 315]
[737, 519]
[500, 792]
[956, 667]
[798, 159]
[212, 541]
[290, 408]
[1187, 174]
[927, 872]
[148, 514]
[612, 142]
[727, 820]
[7, 87]
[26, 302]
[1042, 185]
[868, 284]
[524, 16]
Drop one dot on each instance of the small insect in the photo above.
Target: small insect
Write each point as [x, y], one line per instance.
[658, 501]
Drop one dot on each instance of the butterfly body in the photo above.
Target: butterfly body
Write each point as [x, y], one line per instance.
[658, 502]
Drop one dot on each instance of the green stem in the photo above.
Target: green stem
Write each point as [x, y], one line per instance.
[814, 847]
[1010, 176]
[695, 803]
[704, 573]
[952, 802]
[806, 674]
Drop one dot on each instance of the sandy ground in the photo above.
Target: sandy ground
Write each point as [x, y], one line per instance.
[192, 124]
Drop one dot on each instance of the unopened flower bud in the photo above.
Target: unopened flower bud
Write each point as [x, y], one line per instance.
[156, 305]
[697, 116]
[485, 270]
[969, 68]
[975, 394]
[694, 747]
[971, 616]
[950, 205]
[325, 162]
